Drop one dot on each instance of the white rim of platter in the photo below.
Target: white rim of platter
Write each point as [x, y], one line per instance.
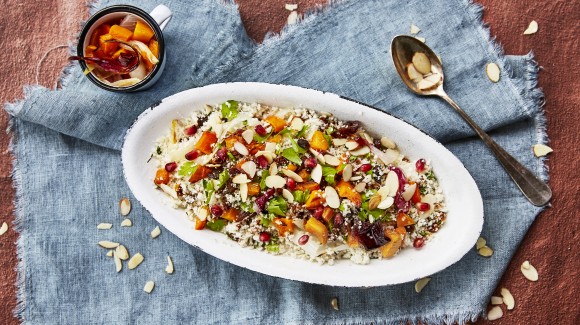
[457, 236]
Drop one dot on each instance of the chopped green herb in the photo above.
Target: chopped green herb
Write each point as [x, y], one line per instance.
[273, 248]
[231, 156]
[299, 196]
[223, 178]
[291, 155]
[260, 139]
[265, 173]
[187, 169]
[216, 225]
[277, 205]
[159, 151]
[247, 207]
[302, 132]
[265, 221]
[328, 138]
[285, 131]
[376, 213]
[209, 189]
[430, 176]
[230, 109]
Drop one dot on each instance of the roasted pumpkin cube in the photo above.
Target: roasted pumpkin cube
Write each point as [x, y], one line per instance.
[231, 215]
[391, 248]
[403, 220]
[200, 224]
[277, 123]
[402, 231]
[346, 190]
[315, 199]
[416, 198]
[162, 176]
[327, 213]
[318, 141]
[120, 33]
[108, 48]
[253, 189]
[154, 47]
[318, 229]
[142, 33]
[283, 225]
[206, 141]
[307, 186]
[101, 30]
[352, 241]
[254, 147]
[231, 140]
[305, 175]
[200, 173]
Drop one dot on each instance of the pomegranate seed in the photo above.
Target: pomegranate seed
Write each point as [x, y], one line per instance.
[260, 130]
[221, 154]
[192, 155]
[170, 166]
[318, 212]
[262, 162]
[216, 210]
[361, 141]
[418, 242]
[338, 219]
[365, 167]
[291, 184]
[191, 130]
[310, 163]
[264, 236]
[422, 206]
[303, 239]
[420, 165]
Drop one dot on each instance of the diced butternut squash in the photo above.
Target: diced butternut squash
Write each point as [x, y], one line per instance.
[162, 176]
[327, 213]
[254, 147]
[404, 220]
[276, 139]
[277, 123]
[346, 190]
[402, 231]
[318, 141]
[391, 248]
[120, 33]
[292, 167]
[97, 33]
[143, 33]
[351, 241]
[154, 47]
[305, 175]
[206, 141]
[307, 186]
[315, 199]
[284, 225]
[200, 224]
[231, 215]
[416, 198]
[318, 229]
[107, 48]
[253, 189]
[200, 173]
[231, 140]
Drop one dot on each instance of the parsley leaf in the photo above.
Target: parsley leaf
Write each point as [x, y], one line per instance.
[301, 196]
[265, 173]
[247, 206]
[223, 178]
[260, 139]
[277, 206]
[302, 132]
[208, 188]
[216, 225]
[230, 109]
[187, 169]
[291, 155]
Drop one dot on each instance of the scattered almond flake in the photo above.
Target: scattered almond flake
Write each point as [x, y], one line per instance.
[122, 252]
[362, 151]
[292, 175]
[480, 243]
[297, 124]
[386, 203]
[126, 223]
[240, 179]
[414, 29]
[316, 173]
[485, 251]
[434, 78]
[339, 142]
[360, 186]
[124, 206]
[244, 192]
[495, 300]
[494, 313]
[392, 183]
[248, 135]
[273, 168]
[241, 149]
[135, 261]
[149, 286]
[118, 264]
[169, 267]
[409, 191]
[532, 28]
[291, 6]
[425, 84]
[540, 150]
[529, 271]
[104, 226]
[347, 172]
[388, 143]
[4, 228]
[108, 244]
[508, 299]
[332, 160]
[334, 303]
[288, 196]
[110, 253]
[250, 168]
[492, 71]
[422, 39]
[351, 145]
[275, 181]
[155, 232]
[332, 198]
[202, 213]
[292, 18]
[419, 285]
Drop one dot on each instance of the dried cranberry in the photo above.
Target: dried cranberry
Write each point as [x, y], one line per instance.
[361, 142]
[291, 184]
[422, 206]
[338, 219]
[350, 127]
[191, 130]
[310, 163]
[420, 165]
[221, 155]
[170, 167]
[363, 234]
[262, 162]
[216, 210]
[264, 236]
[192, 155]
[418, 242]
[260, 130]
[303, 239]
[365, 167]
[378, 234]
[303, 143]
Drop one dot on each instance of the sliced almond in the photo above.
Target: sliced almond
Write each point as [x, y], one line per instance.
[240, 179]
[4, 228]
[422, 39]
[492, 71]
[508, 299]
[419, 285]
[426, 84]
[122, 252]
[431, 200]
[414, 29]
[275, 181]
[386, 203]
[292, 18]
[104, 226]
[108, 244]
[202, 213]
[421, 62]
[374, 201]
[288, 196]
[155, 232]
[296, 124]
[360, 187]
[389, 156]
[413, 74]
[168, 190]
[318, 156]
[532, 28]
[485, 251]
[290, 7]
[332, 198]
[388, 143]
[169, 268]
[135, 261]
[110, 253]
[149, 286]
[364, 150]
[273, 169]
[529, 271]
[241, 149]
[250, 168]
[392, 183]
[480, 243]
[316, 173]
[244, 191]
[409, 191]
[248, 135]
[434, 78]
[124, 206]
[334, 303]
[494, 313]
[118, 264]
[347, 172]
[495, 300]
[292, 175]
[332, 160]
[541, 150]
[351, 145]
[126, 223]
[338, 142]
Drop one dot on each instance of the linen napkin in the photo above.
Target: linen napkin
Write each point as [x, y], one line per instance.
[68, 173]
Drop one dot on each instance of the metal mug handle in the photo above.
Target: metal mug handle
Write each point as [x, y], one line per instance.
[162, 15]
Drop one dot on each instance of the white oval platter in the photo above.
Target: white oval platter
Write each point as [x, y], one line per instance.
[450, 244]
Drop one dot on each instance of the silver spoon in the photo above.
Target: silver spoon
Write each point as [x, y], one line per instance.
[403, 48]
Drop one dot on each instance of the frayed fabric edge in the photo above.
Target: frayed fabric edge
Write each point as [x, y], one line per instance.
[459, 318]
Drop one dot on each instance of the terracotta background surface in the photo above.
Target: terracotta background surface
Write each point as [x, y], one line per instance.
[28, 31]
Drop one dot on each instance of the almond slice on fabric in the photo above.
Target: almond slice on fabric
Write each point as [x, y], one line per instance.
[169, 268]
[108, 244]
[293, 18]
[126, 223]
[414, 29]
[104, 226]
[495, 300]
[480, 243]
[135, 261]
[291, 6]
[485, 251]
[155, 232]
[122, 253]
[540, 150]
[334, 303]
[118, 264]
[149, 286]
[532, 28]
[493, 72]
[124, 206]
[419, 285]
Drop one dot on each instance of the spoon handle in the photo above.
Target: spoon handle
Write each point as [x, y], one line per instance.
[535, 190]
